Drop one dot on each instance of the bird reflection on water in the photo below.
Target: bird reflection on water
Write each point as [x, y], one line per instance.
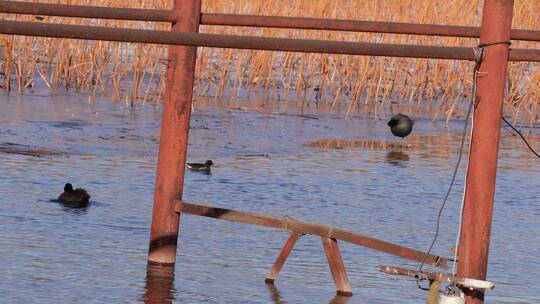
[397, 157]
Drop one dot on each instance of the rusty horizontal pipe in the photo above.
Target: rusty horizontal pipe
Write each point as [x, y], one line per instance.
[85, 11]
[341, 25]
[289, 224]
[232, 41]
[356, 26]
[41, 29]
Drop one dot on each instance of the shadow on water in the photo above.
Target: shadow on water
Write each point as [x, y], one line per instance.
[79, 209]
[337, 299]
[159, 287]
[75, 210]
[199, 172]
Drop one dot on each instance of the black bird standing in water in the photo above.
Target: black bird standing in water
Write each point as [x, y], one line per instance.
[401, 125]
[200, 167]
[74, 198]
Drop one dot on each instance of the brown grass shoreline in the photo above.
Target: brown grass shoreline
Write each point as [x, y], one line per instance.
[135, 72]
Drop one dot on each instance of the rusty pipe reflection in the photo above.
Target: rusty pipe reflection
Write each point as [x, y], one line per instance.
[159, 287]
[274, 293]
[277, 298]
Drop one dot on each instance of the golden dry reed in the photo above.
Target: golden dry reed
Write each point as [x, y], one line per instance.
[135, 72]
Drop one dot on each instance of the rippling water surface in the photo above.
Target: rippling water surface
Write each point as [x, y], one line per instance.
[346, 173]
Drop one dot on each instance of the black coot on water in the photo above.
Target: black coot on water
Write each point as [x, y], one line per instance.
[401, 125]
[200, 167]
[74, 197]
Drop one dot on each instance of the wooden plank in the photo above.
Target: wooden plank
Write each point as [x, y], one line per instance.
[283, 255]
[337, 267]
[438, 276]
[289, 224]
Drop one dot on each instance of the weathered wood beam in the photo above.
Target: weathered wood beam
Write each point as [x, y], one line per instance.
[289, 224]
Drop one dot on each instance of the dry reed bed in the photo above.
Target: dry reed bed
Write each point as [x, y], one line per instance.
[135, 72]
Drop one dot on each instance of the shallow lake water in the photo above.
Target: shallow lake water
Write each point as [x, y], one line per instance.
[322, 168]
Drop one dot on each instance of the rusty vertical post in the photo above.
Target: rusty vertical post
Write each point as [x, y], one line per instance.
[480, 183]
[174, 136]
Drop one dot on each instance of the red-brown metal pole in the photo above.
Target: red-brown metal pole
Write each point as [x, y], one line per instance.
[480, 183]
[174, 137]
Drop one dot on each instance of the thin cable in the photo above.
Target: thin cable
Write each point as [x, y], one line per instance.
[483, 45]
[473, 101]
[456, 168]
[458, 235]
[479, 52]
[521, 135]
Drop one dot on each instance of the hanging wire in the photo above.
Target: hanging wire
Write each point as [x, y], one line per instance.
[458, 235]
[474, 99]
[479, 51]
[520, 135]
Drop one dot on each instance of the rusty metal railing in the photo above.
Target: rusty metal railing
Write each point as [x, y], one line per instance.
[249, 42]
[100, 12]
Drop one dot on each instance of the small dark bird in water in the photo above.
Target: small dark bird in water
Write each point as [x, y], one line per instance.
[200, 167]
[401, 125]
[74, 197]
